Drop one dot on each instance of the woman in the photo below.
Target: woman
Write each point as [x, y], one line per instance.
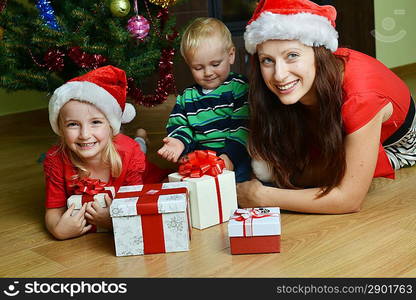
[324, 121]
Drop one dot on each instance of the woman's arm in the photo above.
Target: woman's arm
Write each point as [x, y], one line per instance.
[361, 158]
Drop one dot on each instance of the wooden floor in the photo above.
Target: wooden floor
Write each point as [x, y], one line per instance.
[379, 241]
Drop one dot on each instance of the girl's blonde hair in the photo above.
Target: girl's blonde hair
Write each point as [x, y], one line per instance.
[201, 29]
[110, 156]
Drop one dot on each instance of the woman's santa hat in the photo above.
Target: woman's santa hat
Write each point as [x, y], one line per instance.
[105, 87]
[302, 20]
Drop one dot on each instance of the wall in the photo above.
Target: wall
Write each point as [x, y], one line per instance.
[395, 25]
[20, 101]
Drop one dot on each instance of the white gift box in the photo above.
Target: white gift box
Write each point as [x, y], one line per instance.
[255, 230]
[212, 199]
[79, 200]
[152, 218]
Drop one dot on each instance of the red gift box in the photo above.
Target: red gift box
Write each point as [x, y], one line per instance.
[255, 230]
[151, 218]
[90, 190]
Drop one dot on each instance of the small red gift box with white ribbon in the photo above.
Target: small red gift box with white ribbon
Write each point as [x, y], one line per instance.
[151, 218]
[90, 190]
[212, 189]
[255, 230]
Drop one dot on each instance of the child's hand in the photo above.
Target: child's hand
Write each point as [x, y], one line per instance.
[172, 149]
[228, 163]
[99, 216]
[71, 226]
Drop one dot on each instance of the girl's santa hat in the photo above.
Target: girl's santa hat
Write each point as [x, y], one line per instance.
[302, 20]
[105, 87]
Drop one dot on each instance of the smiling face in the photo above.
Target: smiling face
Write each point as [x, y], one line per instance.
[210, 62]
[85, 129]
[288, 69]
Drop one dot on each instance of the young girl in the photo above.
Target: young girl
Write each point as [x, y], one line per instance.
[87, 113]
[324, 121]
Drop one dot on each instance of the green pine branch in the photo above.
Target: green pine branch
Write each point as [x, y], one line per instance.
[88, 24]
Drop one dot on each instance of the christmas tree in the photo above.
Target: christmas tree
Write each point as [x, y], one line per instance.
[45, 43]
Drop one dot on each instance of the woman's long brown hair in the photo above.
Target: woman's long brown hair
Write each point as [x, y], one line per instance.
[280, 136]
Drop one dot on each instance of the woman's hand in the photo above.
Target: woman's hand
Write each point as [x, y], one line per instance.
[249, 194]
[99, 216]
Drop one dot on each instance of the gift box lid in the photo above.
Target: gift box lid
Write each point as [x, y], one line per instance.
[178, 176]
[155, 186]
[155, 199]
[77, 199]
[261, 221]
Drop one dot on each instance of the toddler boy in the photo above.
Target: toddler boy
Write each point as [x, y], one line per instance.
[213, 113]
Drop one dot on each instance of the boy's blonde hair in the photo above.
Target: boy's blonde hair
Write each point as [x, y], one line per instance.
[203, 28]
[110, 155]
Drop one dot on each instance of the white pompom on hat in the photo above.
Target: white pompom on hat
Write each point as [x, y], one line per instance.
[311, 24]
[105, 87]
[262, 170]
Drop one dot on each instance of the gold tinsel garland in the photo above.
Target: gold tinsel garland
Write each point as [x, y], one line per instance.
[164, 3]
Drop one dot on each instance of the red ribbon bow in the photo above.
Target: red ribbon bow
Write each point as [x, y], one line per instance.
[89, 186]
[244, 214]
[200, 163]
[247, 215]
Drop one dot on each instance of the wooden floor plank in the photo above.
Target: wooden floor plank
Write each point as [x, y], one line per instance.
[26, 263]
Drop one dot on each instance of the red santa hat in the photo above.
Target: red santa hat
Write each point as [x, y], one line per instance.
[302, 20]
[105, 87]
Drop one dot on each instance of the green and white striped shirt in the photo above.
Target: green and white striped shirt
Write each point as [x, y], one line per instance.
[216, 120]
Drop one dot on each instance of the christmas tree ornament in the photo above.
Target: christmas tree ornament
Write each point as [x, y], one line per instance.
[1, 33]
[138, 26]
[85, 60]
[54, 60]
[165, 83]
[151, 20]
[47, 14]
[163, 16]
[3, 4]
[171, 37]
[164, 3]
[120, 8]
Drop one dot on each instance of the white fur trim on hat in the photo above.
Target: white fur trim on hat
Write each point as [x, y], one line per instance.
[262, 170]
[89, 92]
[309, 29]
[128, 114]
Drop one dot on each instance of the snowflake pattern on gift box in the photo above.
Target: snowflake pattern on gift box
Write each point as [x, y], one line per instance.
[128, 239]
[116, 211]
[132, 248]
[175, 223]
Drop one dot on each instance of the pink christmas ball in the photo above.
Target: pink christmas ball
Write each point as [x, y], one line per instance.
[138, 26]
